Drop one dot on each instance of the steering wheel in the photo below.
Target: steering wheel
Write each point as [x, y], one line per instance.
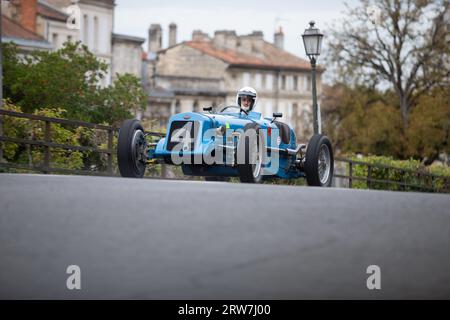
[233, 107]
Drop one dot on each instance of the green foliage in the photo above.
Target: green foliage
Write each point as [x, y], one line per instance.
[13, 127]
[64, 84]
[35, 130]
[64, 78]
[69, 78]
[410, 174]
[119, 100]
[403, 45]
[429, 125]
[368, 121]
[59, 158]
[287, 182]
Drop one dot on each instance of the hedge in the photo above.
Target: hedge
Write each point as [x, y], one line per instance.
[405, 175]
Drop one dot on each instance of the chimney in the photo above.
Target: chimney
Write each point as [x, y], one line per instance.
[198, 35]
[219, 38]
[278, 38]
[154, 38]
[172, 34]
[225, 39]
[28, 10]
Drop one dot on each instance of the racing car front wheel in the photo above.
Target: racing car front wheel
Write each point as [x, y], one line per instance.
[131, 149]
[319, 161]
[250, 154]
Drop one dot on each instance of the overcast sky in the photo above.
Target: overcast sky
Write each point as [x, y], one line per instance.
[133, 17]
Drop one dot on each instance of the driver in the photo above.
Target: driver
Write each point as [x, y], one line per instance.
[246, 98]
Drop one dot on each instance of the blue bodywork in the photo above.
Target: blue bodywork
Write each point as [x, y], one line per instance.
[206, 140]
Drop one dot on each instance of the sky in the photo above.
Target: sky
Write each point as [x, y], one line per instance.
[133, 17]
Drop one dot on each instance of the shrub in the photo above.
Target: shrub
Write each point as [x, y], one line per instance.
[404, 175]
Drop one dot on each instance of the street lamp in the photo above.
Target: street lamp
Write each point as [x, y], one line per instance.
[312, 40]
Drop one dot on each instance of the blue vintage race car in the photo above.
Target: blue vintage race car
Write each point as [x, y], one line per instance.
[229, 143]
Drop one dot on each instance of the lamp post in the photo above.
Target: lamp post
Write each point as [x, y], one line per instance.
[312, 40]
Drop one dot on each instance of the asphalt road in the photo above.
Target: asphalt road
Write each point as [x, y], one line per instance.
[156, 239]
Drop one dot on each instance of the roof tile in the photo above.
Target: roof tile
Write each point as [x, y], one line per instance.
[51, 13]
[12, 29]
[270, 57]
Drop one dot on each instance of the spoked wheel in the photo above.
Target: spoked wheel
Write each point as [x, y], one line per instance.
[250, 155]
[319, 161]
[132, 149]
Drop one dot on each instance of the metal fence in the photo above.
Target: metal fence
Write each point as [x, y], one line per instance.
[379, 176]
[48, 144]
[368, 177]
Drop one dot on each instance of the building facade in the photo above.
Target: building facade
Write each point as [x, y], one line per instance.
[127, 55]
[206, 71]
[46, 22]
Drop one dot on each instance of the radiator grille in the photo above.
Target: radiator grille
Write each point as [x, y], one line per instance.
[182, 134]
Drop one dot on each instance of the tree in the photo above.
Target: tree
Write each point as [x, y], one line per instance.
[428, 132]
[69, 79]
[124, 96]
[64, 78]
[399, 42]
[34, 130]
[64, 83]
[362, 120]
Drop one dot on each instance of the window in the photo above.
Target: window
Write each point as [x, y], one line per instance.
[55, 40]
[291, 113]
[289, 81]
[245, 79]
[195, 107]
[308, 83]
[269, 109]
[69, 38]
[269, 81]
[295, 109]
[306, 114]
[258, 81]
[283, 82]
[177, 106]
[295, 83]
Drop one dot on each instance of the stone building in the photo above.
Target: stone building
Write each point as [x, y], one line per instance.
[32, 24]
[95, 28]
[127, 55]
[207, 71]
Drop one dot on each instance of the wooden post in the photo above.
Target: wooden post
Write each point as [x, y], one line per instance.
[1, 134]
[47, 139]
[163, 171]
[420, 181]
[403, 185]
[388, 179]
[110, 152]
[369, 176]
[446, 184]
[350, 175]
[1, 87]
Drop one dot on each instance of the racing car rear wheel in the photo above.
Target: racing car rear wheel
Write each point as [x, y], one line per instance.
[131, 149]
[319, 161]
[250, 153]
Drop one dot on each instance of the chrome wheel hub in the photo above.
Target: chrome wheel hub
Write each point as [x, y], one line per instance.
[324, 166]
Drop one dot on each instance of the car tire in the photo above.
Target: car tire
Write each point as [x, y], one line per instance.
[319, 161]
[131, 149]
[250, 171]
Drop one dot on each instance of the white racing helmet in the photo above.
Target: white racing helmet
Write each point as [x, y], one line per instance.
[247, 92]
